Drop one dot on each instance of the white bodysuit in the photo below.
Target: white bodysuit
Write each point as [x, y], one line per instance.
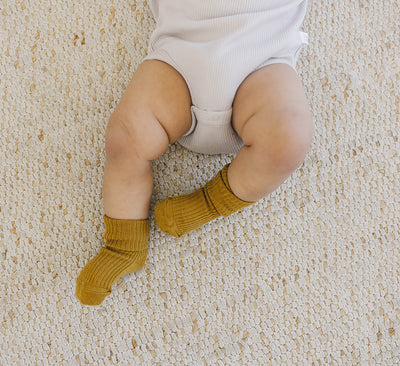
[215, 45]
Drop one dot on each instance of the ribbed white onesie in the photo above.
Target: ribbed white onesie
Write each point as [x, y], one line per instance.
[215, 45]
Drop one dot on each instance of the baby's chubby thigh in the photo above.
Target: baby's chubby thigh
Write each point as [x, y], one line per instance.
[153, 112]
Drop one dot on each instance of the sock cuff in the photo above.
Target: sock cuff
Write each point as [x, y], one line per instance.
[221, 195]
[129, 235]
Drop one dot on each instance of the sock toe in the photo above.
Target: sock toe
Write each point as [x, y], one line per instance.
[90, 295]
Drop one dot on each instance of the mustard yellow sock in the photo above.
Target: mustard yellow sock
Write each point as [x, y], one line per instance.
[125, 251]
[182, 214]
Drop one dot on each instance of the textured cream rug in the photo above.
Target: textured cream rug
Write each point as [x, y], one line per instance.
[309, 275]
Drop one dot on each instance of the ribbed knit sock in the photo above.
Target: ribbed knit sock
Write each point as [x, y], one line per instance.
[182, 214]
[125, 251]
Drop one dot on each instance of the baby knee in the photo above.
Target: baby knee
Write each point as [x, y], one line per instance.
[294, 140]
[288, 142]
[143, 138]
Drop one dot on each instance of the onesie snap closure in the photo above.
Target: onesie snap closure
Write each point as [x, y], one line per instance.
[211, 133]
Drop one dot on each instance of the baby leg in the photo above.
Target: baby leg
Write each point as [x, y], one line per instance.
[154, 111]
[271, 115]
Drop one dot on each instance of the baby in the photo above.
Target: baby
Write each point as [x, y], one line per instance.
[219, 78]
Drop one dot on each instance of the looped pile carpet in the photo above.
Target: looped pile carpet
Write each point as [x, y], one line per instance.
[309, 275]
